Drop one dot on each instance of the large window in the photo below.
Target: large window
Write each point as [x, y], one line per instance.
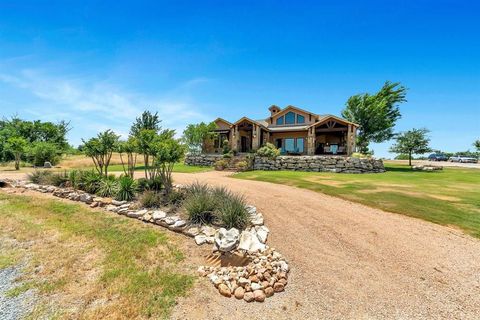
[300, 119]
[292, 145]
[289, 145]
[280, 120]
[290, 118]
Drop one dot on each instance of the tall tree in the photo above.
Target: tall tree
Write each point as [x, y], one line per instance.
[476, 144]
[100, 149]
[414, 141]
[196, 136]
[376, 114]
[17, 146]
[147, 121]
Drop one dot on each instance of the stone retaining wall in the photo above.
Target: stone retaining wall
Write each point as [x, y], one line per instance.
[320, 164]
[202, 159]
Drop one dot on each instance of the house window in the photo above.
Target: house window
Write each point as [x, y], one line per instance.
[289, 145]
[280, 120]
[290, 118]
[300, 145]
[300, 119]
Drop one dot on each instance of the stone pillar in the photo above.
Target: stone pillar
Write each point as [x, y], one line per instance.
[234, 139]
[255, 137]
[354, 138]
[349, 139]
[311, 141]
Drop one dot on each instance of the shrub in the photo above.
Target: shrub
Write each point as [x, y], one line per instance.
[89, 181]
[241, 165]
[73, 178]
[149, 184]
[200, 203]
[151, 199]
[362, 155]
[58, 179]
[225, 147]
[41, 151]
[221, 164]
[268, 151]
[108, 187]
[126, 188]
[176, 197]
[232, 212]
[231, 209]
[39, 177]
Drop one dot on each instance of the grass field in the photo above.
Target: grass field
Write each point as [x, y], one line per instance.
[449, 197]
[85, 163]
[87, 264]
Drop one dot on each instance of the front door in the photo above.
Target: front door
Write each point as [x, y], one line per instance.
[244, 144]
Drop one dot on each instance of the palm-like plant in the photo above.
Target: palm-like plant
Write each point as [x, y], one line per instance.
[126, 188]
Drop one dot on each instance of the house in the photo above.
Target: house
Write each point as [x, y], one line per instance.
[295, 131]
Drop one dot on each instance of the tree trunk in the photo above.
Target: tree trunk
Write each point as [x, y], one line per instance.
[17, 161]
[410, 159]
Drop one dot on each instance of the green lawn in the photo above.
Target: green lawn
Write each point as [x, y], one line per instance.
[448, 197]
[89, 264]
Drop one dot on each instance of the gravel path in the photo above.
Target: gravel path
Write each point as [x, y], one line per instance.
[12, 308]
[349, 261]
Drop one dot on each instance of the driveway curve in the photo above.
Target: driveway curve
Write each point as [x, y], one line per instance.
[349, 261]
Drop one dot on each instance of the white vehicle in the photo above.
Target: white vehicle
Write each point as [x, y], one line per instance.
[463, 159]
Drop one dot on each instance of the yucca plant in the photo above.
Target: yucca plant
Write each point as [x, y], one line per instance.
[200, 207]
[108, 187]
[89, 181]
[231, 210]
[58, 179]
[126, 188]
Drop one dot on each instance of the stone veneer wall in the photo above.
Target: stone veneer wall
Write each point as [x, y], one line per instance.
[320, 163]
[202, 159]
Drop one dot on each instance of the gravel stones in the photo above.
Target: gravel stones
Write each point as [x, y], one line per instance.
[239, 293]
[248, 296]
[224, 290]
[259, 295]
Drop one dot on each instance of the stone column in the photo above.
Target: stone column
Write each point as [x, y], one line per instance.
[349, 139]
[311, 141]
[354, 138]
[234, 139]
[255, 137]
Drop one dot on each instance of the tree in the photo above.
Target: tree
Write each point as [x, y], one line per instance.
[100, 149]
[196, 136]
[130, 148]
[414, 141]
[41, 151]
[17, 146]
[376, 114]
[147, 121]
[168, 151]
[147, 145]
[476, 144]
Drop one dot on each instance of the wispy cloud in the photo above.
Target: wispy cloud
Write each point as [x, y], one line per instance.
[94, 106]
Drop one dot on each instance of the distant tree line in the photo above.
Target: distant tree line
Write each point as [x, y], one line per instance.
[32, 141]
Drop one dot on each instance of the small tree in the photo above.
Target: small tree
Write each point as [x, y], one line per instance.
[196, 136]
[41, 151]
[17, 146]
[376, 114]
[476, 144]
[168, 152]
[414, 141]
[100, 149]
[130, 149]
[147, 121]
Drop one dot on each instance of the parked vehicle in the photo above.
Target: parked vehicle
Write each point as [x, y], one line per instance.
[463, 159]
[437, 157]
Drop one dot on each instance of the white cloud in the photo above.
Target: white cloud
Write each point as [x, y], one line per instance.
[98, 105]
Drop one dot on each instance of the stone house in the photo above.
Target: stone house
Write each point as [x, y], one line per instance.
[295, 131]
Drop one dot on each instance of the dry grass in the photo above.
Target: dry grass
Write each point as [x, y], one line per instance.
[88, 264]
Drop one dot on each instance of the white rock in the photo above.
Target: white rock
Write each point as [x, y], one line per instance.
[256, 219]
[85, 197]
[200, 239]
[208, 231]
[210, 240]
[136, 214]
[118, 203]
[158, 214]
[226, 240]
[262, 233]
[249, 242]
[256, 286]
[111, 207]
[284, 266]
[251, 209]
[171, 220]
[178, 225]
[192, 232]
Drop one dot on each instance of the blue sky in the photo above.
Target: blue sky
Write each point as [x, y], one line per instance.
[101, 63]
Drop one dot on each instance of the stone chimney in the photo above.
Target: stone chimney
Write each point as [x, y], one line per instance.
[274, 110]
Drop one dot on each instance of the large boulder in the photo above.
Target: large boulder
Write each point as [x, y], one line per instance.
[249, 242]
[226, 240]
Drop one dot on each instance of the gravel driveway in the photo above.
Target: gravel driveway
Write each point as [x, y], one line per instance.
[349, 261]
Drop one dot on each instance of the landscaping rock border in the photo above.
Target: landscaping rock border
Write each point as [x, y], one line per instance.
[265, 274]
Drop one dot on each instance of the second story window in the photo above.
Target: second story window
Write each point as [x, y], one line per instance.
[300, 119]
[280, 120]
[290, 118]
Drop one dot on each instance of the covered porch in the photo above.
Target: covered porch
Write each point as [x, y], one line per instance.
[331, 136]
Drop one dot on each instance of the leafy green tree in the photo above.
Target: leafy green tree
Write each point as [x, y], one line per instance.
[196, 136]
[376, 114]
[147, 121]
[17, 146]
[476, 144]
[168, 151]
[130, 149]
[414, 141]
[100, 149]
